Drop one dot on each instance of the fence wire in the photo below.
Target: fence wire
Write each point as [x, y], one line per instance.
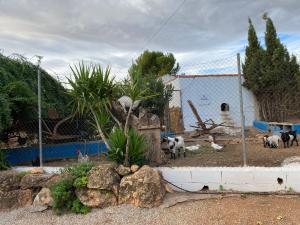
[205, 99]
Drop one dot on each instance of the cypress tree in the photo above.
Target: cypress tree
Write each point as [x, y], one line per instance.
[272, 74]
[253, 58]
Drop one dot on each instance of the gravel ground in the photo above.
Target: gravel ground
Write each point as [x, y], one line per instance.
[256, 210]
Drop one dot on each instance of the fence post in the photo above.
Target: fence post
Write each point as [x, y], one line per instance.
[40, 112]
[242, 115]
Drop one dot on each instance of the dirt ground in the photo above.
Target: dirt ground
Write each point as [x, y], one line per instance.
[249, 210]
[231, 155]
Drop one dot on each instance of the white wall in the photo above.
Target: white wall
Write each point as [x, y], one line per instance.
[254, 179]
[176, 98]
[208, 93]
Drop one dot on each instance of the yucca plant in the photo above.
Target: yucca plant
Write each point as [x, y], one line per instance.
[91, 91]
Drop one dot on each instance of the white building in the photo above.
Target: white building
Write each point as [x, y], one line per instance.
[215, 97]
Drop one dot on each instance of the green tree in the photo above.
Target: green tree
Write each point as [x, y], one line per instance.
[19, 77]
[272, 74]
[152, 66]
[5, 112]
[155, 63]
[253, 59]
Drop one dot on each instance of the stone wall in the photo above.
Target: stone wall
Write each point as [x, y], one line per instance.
[108, 185]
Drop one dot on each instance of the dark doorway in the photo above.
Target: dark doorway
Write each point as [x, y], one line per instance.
[224, 107]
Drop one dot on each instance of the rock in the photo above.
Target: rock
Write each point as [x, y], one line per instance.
[115, 189]
[144, 188]
[123, 171]
[43, 198]
[15, 199]
[134, 168]
[103, 177]
[9, 180]
[37, 170]
[54, 179]
[35, 180]
[37, 208]
[168, 188]
[96, 198]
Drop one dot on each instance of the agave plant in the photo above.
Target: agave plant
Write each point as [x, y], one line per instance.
[91, 91]
[137, 144]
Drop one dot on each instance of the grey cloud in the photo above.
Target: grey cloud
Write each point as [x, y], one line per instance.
[115, 31]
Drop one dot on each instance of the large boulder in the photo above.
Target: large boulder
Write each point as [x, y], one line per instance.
[96, 198]
[43, 198]
[54, 179]
[35, 180]
[103, 177]
[15, 199]
[123, 170]
[134, 168]
[144, 188]
[9, 180]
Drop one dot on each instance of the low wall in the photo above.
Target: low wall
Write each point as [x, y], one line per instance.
[253, 179]
[264, 126]
[243, 179]
[18, 156]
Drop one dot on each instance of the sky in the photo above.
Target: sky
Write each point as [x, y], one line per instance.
[203, 35]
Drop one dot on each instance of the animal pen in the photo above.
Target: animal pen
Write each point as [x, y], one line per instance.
[207, 98]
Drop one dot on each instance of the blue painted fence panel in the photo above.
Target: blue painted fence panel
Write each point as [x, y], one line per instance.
[261, 125]
[296, 127]
[59, 151]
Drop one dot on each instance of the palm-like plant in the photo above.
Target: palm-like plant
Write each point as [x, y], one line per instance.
[91, 91]
[136, 90]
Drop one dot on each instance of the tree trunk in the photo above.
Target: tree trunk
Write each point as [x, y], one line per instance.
[101, 133]
[126, 131]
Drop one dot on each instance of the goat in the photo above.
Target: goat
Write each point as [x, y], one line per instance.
[175, 144]
[293, 137]
[265, 141]
[285, 137]
[126, 102]
[271, 141]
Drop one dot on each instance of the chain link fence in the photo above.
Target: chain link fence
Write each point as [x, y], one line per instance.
[206, 98]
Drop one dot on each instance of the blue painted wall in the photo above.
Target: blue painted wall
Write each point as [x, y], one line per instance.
[261, 125]
[264, 126]
[60, 151]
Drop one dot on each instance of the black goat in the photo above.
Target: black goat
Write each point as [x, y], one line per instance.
[293, 137]
[285, 137]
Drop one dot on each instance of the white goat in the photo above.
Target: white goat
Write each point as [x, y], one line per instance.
[272, 141]
[126, 102]
[176, 144]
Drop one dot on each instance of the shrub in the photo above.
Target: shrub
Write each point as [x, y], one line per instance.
[80, 170]
[78, 207]
[4, 165]
[63, 195]
[63, 192]
[80, 182]
[64, 198]
[117, 142]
